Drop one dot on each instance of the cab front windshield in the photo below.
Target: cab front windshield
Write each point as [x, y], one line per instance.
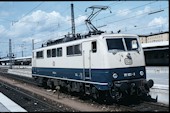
[117, 44]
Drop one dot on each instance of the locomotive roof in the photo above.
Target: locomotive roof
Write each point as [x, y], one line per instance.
[119, 35]
[91, 37]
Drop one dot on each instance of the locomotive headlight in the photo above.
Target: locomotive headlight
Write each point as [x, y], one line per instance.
[115, 75]
[141, 73]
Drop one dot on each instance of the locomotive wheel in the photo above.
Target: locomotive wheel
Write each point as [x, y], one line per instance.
[44, 83]
[50, 84]
[116, 95]
[68, 88]
[95, 93]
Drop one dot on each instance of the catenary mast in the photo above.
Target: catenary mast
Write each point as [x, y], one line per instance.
[72, 20]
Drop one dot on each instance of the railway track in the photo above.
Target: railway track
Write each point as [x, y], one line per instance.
[28, 101]
[139, 106]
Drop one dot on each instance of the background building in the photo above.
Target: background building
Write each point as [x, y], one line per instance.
[157, 37]
[156, 48]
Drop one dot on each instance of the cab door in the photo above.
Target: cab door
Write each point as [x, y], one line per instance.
[33, 62]
[33, 59]
[86, 48]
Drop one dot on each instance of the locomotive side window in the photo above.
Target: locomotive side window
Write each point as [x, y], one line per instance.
[77, 49]
[53, 52]
[70, 50]
[94, 47]
[74, 50]
[39, 54]
[59, 52]
[49, 53]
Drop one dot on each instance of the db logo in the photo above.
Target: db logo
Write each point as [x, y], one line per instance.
[53, 63]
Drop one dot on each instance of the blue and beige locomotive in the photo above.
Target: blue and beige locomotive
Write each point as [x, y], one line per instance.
[97, 64]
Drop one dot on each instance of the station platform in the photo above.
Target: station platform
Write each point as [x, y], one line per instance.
[160, 91]
[22, 72]
[7, 105]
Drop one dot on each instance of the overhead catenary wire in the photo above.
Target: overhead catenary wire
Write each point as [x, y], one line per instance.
[107, 16]
[126, 11]
[84, 24]
[4, 42]
[146, 13]
[33, 9]
[58, 24]
[28, 12]
[90, 13]
[114, 14]
[129, 17]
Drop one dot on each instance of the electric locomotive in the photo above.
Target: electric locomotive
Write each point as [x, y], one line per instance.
[97, 64]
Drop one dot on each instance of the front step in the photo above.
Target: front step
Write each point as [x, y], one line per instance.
[87, 89]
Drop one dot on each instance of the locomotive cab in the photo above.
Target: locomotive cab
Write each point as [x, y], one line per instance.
[125, 61]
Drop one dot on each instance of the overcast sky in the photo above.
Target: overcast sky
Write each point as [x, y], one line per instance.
[23, 21]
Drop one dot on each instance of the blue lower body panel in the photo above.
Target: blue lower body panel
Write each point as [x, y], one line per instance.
[101, 78]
